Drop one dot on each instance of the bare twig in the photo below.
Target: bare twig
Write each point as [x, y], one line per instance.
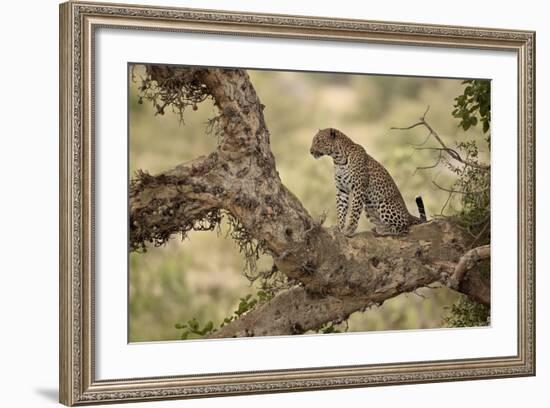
[420, 295]
[478, 236]
[433, 166]
[450, 190]
[422, 143]
[451, 152]
[447, 201]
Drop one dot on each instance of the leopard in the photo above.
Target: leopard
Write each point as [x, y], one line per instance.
[364, 183]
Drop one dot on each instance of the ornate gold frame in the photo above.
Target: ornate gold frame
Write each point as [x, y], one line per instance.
[77, 24]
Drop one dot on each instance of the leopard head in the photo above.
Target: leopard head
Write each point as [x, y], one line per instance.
[324, 143]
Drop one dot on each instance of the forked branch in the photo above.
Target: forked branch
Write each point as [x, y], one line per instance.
[451, 152]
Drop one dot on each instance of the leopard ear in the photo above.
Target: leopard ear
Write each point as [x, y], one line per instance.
[333, 133]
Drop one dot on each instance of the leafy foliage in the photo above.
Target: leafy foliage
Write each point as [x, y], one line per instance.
[474, 105]
[194, 327]
[328, 328]
[177, 92]
[467, 313]
[247, 303]
[473, 186]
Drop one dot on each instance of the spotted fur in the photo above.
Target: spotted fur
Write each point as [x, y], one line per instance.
[363, 183]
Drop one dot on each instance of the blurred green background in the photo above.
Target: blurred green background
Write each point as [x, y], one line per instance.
[201, 277]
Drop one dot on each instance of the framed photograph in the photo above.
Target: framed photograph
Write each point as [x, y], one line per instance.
[256, 203]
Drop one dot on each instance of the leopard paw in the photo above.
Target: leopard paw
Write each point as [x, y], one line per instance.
[381, 233]
[348, 233]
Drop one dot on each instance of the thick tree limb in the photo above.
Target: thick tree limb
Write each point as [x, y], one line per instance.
[467, 262]
[336, 275]
[358, 273]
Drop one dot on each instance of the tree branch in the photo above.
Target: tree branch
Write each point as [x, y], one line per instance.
[451, 152]
[293, 311]
[467, 262]
[336, 275]
[369, 271]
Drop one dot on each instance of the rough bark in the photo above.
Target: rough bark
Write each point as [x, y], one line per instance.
[335, 275]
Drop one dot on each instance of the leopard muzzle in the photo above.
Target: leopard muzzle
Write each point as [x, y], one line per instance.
[315, 153]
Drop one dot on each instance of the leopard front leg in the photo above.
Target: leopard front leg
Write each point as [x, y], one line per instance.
[357, 201]
[341, 208]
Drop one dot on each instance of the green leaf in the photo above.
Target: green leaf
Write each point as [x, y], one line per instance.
[483, 110]
[193, 324]
[241, 309]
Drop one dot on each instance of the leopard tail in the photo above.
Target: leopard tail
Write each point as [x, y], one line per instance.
[421, 212]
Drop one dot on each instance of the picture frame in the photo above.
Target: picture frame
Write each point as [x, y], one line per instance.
[79, 294]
